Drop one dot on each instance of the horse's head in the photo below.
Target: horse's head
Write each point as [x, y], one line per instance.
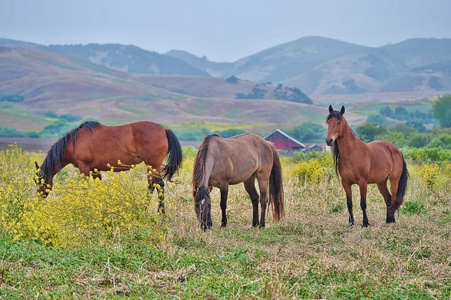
[335, 122]
[40, 180]
[202, 206]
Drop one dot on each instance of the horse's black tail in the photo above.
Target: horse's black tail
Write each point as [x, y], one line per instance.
[276, 187]
[174, 157]
[402, 186]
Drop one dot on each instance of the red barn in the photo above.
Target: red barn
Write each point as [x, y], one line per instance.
[283, 141]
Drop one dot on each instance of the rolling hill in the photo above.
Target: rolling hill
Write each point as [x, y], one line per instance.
[316, 65]
[51, 82]
[111, 83]
[321, 66]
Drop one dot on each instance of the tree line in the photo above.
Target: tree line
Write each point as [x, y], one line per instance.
[411, 133]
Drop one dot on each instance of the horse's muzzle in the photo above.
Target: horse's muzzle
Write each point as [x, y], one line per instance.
[329, 142]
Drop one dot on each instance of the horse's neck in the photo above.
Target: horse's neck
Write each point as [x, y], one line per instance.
[347, 143]
[51, 173]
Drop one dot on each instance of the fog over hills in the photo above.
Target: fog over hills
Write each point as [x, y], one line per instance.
[53, 83]
[117, 84]
[316, 65]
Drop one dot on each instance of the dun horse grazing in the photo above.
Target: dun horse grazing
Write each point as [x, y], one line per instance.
[362, 164]
[221, 162]
[93, 147]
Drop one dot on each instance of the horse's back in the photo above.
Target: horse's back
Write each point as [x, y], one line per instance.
[385, 148]
[250, 146]
[131, 143]
[238, 158]
[132, 135]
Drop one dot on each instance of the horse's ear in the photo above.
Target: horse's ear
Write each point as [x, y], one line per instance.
[331, 108]
[37, 166]
[342, 111]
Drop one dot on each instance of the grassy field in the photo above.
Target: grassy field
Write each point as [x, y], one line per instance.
[93, 239]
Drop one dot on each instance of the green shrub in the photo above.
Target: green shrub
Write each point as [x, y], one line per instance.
[413, 208]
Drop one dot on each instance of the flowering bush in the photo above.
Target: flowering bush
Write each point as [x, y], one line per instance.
[313, 168]
[79, 209]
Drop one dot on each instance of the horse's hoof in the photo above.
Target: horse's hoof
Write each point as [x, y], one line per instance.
[365, 225]
[390, 220]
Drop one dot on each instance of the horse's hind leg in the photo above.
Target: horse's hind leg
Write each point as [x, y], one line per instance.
[390, 208]
[224, 194]
[249, 185]
[382, 186]
[363, 189]
[263, 185]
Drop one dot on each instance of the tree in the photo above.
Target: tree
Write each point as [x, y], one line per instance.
[232, 79]
[443, 141]
[394, 137]
[56, 129]
[70, 117]
[230, 132]
[368, 131]
[309, 133]
[417, 140]
[299, 96]
[386, 111]
[417, 125]
[442, 110]
[378, 119]
[401, 113]
[11, 98]
[404, 129]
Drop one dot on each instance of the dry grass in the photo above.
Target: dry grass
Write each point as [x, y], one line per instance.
[315, 237]
[312, 253]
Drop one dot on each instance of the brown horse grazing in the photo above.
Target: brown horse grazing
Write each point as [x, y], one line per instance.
[362, 164]
[93, 147]
[221, 162]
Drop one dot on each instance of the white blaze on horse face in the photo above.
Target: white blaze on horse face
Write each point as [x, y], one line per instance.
[332, 133]
[202, 201]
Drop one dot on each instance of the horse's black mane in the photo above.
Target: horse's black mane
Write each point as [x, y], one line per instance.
[334, 114]
[199, 166]
[56, 151]
[335, 151]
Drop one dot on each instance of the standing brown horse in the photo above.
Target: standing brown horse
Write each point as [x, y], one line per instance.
[93, 147]
[362, 164]
[221, 162]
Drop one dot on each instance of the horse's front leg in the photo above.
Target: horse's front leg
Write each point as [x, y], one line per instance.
[348, 192]
[160, 190]
[363, 190]
[224, 194]
[96, 174]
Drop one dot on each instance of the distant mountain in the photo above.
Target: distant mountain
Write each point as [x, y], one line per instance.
[315, 65]
[213, 68]
[118, 57]
[51, 82]
[130, 59]
[279, 63]
[321, 66]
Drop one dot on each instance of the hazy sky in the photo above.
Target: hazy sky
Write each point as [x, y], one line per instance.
[221, 30]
